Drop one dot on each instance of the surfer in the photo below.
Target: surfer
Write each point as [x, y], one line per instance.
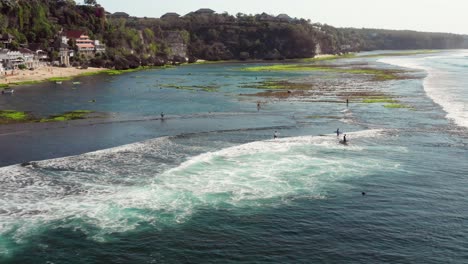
[275, 135]
[344, 141]
[337, 132]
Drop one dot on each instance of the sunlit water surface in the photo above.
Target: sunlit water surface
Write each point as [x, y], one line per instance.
[210, 184]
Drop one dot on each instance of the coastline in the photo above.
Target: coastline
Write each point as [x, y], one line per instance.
[18, 77]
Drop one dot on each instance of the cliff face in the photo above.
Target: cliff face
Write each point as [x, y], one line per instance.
[176, 44]
[202, 34]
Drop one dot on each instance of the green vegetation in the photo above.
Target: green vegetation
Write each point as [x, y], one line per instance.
[118, 72]
[210, 90]
[379, 100]
[73, 115]
[380, 74]
[395, 105]
[59, 79]
[26, 82]
[338, 40]
[8, 116]
[330, 57]
[91, 73]
[387, 101]
[284, 67]
[278, 84]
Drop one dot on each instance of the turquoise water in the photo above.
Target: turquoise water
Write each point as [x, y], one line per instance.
[211, 185]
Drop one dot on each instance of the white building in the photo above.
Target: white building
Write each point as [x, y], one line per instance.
[11, 59]
[29, 58]
[99, 48]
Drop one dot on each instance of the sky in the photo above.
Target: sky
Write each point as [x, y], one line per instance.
[419, 15]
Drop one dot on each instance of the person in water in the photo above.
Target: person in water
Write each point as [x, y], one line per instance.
[347, 102]
[275, 135]
[344, 138]
[162, 115]
[258, 106]
[337, 132]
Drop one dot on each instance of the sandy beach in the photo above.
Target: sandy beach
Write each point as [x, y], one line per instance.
[43, 73]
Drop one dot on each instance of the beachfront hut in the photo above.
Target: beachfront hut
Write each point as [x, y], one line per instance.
[11, 59]
[28, 58]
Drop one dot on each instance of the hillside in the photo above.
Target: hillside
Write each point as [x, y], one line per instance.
[202, 34]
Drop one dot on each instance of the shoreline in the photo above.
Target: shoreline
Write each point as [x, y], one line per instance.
[49, 73]
[18, 77]
[42, 74]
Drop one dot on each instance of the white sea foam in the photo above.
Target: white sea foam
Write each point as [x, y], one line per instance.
[445, 86]
[118, 189]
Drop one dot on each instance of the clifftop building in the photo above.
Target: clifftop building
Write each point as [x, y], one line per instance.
[170, 15]
[284, 18]
[120, 15]
[204, 11]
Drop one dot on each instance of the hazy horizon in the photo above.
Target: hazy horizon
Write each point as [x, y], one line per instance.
[428, 16]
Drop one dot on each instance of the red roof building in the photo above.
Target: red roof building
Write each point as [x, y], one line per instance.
[74, 34]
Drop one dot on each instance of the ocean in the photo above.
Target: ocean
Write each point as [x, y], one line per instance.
[210, 184]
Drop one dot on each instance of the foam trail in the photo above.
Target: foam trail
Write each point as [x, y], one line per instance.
[118, 189]
[445, 86]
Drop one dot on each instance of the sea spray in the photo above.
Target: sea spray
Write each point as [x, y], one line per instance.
[445, 82]
[100, 193]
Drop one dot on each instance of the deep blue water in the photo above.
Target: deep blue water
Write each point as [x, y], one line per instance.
[210, 185]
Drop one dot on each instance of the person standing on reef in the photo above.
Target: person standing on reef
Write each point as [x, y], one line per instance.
[344, 139]
[337, 132]
[347, 102]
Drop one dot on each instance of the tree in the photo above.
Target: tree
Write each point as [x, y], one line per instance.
[90, 2]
